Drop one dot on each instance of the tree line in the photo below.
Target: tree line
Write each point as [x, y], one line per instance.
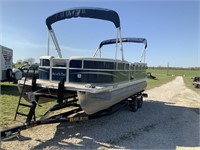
[25, 61]
[175, 68]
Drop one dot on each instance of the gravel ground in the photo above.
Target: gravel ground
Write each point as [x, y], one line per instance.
[169, 119]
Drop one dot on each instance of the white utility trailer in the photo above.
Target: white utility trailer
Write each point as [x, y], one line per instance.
[6, 63]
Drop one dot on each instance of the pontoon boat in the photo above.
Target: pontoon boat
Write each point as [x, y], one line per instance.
[98, 83]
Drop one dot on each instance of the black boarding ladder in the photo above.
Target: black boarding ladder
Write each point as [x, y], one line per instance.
[31, 115]
[31, 119]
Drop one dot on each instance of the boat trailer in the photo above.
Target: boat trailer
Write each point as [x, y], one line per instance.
[74, 113]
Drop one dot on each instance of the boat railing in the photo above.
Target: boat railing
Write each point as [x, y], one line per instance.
[79, 69]
[128, 39]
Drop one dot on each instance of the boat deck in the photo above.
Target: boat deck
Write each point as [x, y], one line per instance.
[68, 86]
[81, 87]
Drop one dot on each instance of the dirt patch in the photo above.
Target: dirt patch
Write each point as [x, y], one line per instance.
[169, 119]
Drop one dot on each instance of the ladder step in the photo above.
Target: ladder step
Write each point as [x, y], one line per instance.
[22, 114]
[26, 105]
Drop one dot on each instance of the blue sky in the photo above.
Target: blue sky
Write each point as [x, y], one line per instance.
[170, 27]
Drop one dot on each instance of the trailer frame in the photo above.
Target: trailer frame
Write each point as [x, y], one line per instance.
[75, 114]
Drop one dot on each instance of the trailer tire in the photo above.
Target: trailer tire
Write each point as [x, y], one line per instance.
[9, 74]
[140, 102]
[133, 104]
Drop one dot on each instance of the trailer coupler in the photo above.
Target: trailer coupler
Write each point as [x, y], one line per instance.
[8, 134]
[63, 117]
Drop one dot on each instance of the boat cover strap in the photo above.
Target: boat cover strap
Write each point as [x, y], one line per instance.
[87, 12]
[135, 40]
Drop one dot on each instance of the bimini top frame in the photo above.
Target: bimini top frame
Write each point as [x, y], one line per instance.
[86, 12]
[134, 40]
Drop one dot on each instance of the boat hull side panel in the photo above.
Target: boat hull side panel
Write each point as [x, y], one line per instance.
[94, 102]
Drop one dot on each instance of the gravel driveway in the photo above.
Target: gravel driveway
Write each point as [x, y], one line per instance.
[169, 119]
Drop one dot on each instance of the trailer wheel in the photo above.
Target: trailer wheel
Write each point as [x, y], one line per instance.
[133, 104]
[9, 74]
[140, 101]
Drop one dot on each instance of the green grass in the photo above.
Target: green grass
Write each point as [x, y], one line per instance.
[8, 104]
[161, 78]
[19, 66]
[165, 76]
